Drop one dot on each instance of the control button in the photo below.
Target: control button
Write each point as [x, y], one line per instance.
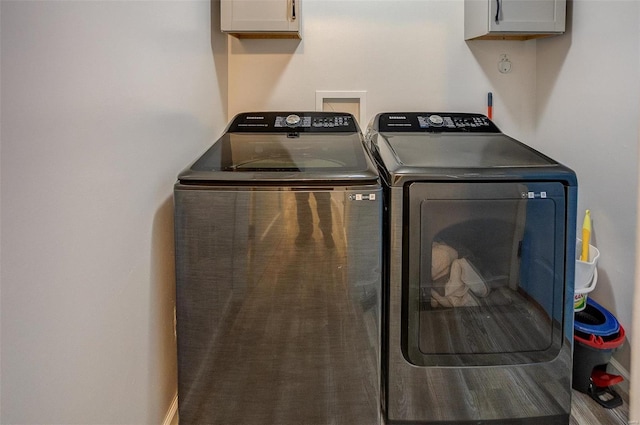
[292, 120]
[449, 122]
[436, 120]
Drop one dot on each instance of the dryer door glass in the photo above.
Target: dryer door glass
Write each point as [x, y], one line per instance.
[485, 282]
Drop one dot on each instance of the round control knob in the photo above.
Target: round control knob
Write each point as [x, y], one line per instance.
[293, 120]
[436, 120]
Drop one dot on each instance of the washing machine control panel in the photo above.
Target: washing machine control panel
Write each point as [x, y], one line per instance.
[278, 122]
[435, 122]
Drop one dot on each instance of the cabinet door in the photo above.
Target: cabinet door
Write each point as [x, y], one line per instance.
[260, 15]
[527, 15]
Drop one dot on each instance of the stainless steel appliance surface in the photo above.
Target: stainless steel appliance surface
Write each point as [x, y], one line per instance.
[278, 266]
[479, 236]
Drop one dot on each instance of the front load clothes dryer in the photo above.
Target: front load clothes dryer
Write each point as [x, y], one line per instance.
[480, 237]
[278, 265]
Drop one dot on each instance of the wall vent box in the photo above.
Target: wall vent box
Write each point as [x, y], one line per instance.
[513, 19]
[261, 18]
[351, 101]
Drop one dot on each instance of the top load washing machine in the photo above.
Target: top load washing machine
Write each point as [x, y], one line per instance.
[278, 265]
[479, 267]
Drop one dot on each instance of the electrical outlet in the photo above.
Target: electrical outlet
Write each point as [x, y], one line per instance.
[504, 66]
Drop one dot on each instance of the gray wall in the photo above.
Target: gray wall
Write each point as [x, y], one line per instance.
[406, 54]
[588, 87]
[103, 103]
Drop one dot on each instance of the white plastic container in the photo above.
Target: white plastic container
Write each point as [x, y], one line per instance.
[586, 276]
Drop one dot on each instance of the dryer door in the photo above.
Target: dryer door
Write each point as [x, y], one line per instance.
[486, 273]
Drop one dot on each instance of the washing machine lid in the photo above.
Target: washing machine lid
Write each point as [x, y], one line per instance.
[287, 147]
[429, 144]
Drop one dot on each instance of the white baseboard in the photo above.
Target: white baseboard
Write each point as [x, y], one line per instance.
[171, 417]
[619, 370]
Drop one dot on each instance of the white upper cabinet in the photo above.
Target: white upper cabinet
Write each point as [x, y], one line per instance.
[261, 18]
[513, 19]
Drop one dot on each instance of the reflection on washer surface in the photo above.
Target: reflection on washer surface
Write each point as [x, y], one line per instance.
[287, 333]
[478, 231]
[274, 328]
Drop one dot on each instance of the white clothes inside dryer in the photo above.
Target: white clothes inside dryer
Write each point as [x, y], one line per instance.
[463, 284]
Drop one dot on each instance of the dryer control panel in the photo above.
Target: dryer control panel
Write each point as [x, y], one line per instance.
[435, 122]
[278, 122]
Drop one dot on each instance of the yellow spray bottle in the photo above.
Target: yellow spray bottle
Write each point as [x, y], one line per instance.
[586, 236]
